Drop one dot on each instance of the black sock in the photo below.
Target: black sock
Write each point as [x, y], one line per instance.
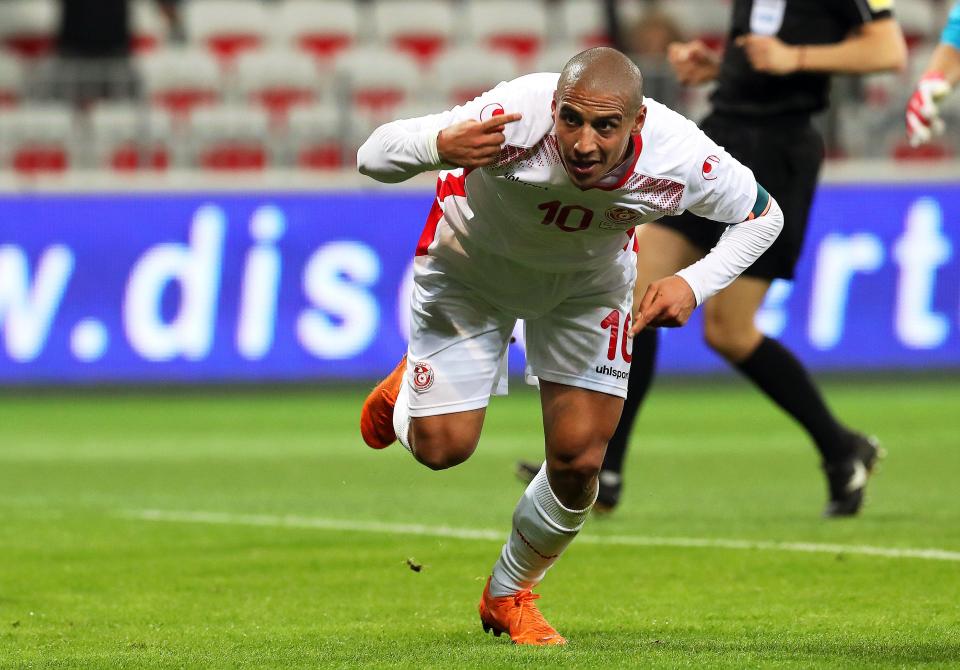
[642, 369]
[783, 378]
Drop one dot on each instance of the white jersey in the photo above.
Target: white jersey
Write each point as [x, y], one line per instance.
[525, 208]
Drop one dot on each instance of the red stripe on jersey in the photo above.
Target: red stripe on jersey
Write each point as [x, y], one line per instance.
[450, 185]
[632, 235]
[637, 148]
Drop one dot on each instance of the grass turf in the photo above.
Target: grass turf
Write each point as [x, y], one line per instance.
[83, 585]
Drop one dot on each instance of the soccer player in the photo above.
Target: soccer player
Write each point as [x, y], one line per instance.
[543, 180]
[942, 74]
[772, 77]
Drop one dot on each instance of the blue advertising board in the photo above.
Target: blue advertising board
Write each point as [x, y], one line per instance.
[216, 287]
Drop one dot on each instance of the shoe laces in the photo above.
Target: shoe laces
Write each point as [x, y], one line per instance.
[530, 616]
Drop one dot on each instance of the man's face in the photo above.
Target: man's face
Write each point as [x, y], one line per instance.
[593, 130]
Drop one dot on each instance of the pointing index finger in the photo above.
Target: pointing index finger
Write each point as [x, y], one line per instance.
[500, 120]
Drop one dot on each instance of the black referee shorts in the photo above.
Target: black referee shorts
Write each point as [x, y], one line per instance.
[785, 158]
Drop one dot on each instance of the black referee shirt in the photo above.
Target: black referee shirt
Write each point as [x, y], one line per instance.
[742, 91]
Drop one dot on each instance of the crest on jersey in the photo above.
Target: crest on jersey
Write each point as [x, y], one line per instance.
[622, 215]
[490, 111]
[422, 376]
[709, 169]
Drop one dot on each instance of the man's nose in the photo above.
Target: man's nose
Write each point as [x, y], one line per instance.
[586, 141]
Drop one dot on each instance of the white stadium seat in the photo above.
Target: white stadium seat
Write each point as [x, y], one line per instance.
[180, 78]
[553, 58]
[11, 80]
[518, 27]
[419, 27]
[584, 22]
[227, 27]
[323, 29]
[229, 138]
[36, 138]
[277, 79]
[377, 78]
[128, 137]
[28, 27]
[463, 73]
[314, 138]
[706, 19]
[148, 25]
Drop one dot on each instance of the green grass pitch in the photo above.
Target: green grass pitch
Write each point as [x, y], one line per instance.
[215, 529]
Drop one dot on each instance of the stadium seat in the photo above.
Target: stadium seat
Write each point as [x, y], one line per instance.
[11, 80]
[323, 29]
[314, 138]
[228, 138]
[226, 27]
[277, 79]
[706, 20]
[148, 26]
[464, 73]
[553, 58]
[419, 27]
[377, 78]
[28, 27]
[36, 139]
[127, 137]
[584, 23]
[917, 19]
[518, 27]
[180, 78]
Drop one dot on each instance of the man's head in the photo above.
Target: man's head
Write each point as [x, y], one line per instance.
[597, 109]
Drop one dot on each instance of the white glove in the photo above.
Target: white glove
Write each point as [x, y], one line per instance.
[923, 116]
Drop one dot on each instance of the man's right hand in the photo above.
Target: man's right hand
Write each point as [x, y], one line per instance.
[473, 144]
[923, 116]
[693, 62]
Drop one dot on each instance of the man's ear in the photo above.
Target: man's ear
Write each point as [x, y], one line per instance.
[553, 106]
[639, 120]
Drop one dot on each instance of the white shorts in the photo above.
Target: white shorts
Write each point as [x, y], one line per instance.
[576, 326]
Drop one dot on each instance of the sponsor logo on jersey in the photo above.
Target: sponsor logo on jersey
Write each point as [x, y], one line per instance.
[491, 110]
[509, 176]
[612, 372]
[880, 5]
[422, 376]
[622, 215]
[709, 169]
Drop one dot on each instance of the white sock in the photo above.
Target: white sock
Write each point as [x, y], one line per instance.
[401, 416]
[542, 529]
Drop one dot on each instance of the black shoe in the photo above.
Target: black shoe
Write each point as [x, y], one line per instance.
[608, 492]
[847, 479]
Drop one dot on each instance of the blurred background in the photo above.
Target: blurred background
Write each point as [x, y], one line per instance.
[178, 198]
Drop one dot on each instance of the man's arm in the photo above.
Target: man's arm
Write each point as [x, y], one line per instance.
[876, 46]
[941, 75]
[693, 62]
[399, 150]
[670, 301]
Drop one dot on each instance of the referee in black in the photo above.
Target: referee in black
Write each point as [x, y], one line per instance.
[772, 77]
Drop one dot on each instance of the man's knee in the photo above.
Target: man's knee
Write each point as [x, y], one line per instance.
[577, 455]
[440, 444]
[731, 338]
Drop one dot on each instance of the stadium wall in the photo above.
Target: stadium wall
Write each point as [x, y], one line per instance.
[298, 281]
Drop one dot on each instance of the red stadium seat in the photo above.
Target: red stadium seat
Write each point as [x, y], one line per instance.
[149, 27]
[229, 138]
[36, 139]
[314, 138]
[518, 27]
[464, 73]
[421, 28]
[127, 138]
[226, 27]
[180, 79]
[277, 80]
[322, 29]
[372, 84]
[27, 27]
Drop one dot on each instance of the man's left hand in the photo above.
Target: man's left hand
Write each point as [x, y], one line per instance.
[769, 54]
[668, 303]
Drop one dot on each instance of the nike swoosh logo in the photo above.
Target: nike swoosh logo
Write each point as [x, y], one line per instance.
[859, 478]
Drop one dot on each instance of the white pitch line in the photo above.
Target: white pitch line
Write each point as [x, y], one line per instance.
[317, 523]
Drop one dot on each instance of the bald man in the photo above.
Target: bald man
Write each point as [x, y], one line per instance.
[542, 182]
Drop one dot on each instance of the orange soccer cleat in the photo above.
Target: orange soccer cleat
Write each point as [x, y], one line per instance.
[517, 616]
[376, 417]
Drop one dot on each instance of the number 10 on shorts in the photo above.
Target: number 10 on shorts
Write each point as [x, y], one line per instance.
[612, 321]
